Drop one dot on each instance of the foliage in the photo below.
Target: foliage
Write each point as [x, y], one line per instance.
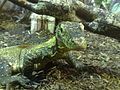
[115, 8]
[109, 5]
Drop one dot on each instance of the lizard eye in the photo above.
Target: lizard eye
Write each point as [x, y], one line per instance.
[61, 30]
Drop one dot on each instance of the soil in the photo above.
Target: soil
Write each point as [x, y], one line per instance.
[102, 55]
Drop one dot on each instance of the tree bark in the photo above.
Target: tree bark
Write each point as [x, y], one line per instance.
[108, 25]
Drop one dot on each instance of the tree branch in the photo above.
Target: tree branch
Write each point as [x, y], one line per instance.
[108, 25]
[61, 11]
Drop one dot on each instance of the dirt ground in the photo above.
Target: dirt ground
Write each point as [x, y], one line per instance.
[102, 51]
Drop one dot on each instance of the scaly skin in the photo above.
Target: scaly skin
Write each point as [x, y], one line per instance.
[68, 36]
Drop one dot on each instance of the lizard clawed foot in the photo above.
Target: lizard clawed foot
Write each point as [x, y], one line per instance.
[25, 82]
[22, 80]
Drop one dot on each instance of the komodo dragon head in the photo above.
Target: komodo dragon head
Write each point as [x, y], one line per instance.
[71, 35]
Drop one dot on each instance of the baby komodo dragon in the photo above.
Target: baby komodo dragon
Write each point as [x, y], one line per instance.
[15, 60]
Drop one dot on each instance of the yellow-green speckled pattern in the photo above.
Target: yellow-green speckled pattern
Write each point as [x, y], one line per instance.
[15, 54]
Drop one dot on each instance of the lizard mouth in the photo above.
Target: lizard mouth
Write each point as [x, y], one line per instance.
[73, 43]
[80, 43]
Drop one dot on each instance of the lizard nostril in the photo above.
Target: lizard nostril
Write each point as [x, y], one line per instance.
[61, 30]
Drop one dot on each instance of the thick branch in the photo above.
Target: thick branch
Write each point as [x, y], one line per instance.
[46, 8]
[108, 25]
[24, 3]
[86, 12]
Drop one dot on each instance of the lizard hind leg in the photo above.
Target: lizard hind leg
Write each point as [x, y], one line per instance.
[7, 79]
[5, 72]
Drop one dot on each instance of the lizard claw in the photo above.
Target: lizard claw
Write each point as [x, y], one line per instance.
[27, 83]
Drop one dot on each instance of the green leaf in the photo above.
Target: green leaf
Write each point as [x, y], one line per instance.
[116, 8]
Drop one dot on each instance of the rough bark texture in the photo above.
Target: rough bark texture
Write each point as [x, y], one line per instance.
[108, 25]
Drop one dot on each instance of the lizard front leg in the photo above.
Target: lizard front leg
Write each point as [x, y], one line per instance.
[38, 53]
[72, 58]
